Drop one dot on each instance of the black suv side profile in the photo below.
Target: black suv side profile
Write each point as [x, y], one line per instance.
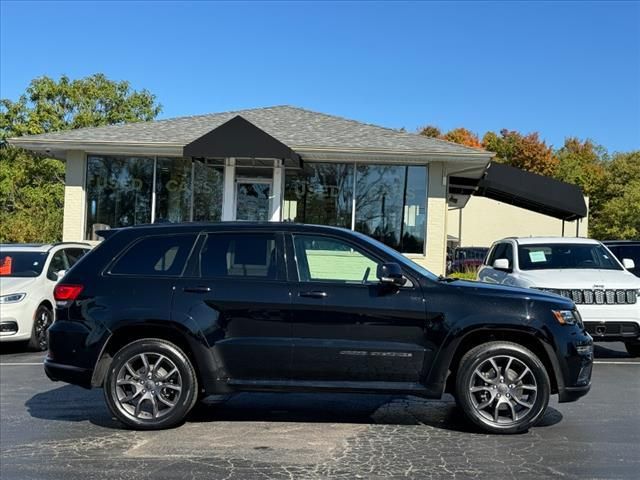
[162, 315]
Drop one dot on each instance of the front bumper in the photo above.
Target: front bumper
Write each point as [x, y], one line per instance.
[609, 323]
[613, 331]
[16, 321]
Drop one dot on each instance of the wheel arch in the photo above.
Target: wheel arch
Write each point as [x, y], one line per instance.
[525, 338]
[168, 331]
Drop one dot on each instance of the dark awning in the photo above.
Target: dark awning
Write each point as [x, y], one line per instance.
[526, 190]
[240, 138]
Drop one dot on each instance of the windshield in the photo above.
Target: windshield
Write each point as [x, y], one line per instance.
[21, 264]
[566, 256]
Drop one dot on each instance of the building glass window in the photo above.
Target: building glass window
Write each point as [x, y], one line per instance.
[321, 193]
[118, 192]
[414, 220]
[379, 202]
[207, 191]
[390, 200]
[173, 190]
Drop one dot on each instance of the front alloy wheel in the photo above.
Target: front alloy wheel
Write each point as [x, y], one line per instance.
[151, 385]
[502, 387]
[42, 320]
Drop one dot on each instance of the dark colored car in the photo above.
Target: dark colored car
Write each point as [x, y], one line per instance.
[160, 316]
[626, 249]
[468, 259]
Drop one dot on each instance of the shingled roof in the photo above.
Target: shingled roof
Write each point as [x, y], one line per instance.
[296, 127]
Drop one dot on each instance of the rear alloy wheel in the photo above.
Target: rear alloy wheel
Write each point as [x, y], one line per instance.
[633, 348]
[502, 387]
[42, 320]
[150, 385]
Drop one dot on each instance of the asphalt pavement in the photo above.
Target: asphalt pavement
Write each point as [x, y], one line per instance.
[57, 431]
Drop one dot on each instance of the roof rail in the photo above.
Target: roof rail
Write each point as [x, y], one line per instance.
[57, 244]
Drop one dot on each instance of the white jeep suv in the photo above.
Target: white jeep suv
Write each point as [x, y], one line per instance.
[28, 273]
[584, 270]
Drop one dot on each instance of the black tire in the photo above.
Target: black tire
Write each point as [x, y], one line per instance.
[506, 402]
[150, 387]
[633, 348]
[42, 320]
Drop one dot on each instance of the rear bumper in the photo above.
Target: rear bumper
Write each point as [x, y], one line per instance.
[59, 372]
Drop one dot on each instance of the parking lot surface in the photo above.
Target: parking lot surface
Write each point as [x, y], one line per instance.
[57, 431]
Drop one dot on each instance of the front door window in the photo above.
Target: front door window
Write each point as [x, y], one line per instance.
[253, 201]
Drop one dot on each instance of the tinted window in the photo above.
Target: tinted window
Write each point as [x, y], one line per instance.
[21, 264]
[327, 259]
[627, 251]
[565, 256]
[58, 262]
[239, 255]
[158, 255]
[74, 254]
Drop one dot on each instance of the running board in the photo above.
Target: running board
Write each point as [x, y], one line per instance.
[408, 388]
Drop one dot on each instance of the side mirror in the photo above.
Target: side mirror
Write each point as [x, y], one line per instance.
[628, 263]
[501, 264]
[60, 274]
[390, 274]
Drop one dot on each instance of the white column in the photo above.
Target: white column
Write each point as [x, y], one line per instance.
[277, 188]
[73, 229]
[229, 190]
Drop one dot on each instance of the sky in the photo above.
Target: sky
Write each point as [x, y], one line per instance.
[561, 69]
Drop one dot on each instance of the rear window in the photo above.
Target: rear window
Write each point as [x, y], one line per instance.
[239, 255]
[163, 255]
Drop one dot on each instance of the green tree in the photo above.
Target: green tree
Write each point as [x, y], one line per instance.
[618, 212]
[31, 186]
[527, 152]
[430, 131]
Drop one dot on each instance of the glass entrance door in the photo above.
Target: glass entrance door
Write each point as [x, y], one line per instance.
[253, 200]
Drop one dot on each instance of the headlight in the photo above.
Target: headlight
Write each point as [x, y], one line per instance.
[566, 317]
[12, 298]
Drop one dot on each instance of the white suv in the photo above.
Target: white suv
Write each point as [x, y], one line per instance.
[584, 270]
[28, 274]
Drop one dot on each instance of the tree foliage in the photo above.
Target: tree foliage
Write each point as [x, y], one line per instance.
[430, 131]
[527, 152]
[463, 137]
[31, 186]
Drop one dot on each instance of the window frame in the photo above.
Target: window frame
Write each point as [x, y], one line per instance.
[107, 271]
[194, 265]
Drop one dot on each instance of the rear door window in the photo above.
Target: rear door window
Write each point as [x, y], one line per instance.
[162, 255]
[237, 255]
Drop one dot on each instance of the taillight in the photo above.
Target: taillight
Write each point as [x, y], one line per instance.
[66, 293]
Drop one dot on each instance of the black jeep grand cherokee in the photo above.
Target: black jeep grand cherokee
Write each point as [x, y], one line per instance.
[162, 315]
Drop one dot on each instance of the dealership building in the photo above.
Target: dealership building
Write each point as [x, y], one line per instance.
[275, 164]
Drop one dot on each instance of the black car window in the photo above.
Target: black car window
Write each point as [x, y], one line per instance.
[329, 259]
[157, 255]
[498, 253]
[74, 254]
[58, 262]
[239, 255]
[631, 252]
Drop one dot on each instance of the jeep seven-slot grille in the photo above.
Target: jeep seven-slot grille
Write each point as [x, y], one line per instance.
[597, 297]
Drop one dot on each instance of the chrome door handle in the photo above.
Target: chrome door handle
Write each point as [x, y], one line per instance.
[199, 289]
[313, 294]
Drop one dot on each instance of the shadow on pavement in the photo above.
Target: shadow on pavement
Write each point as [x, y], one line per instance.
[74, 404]
[609, 350]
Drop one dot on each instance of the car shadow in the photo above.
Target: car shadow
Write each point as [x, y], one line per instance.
[74, 404]
[610, 350]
